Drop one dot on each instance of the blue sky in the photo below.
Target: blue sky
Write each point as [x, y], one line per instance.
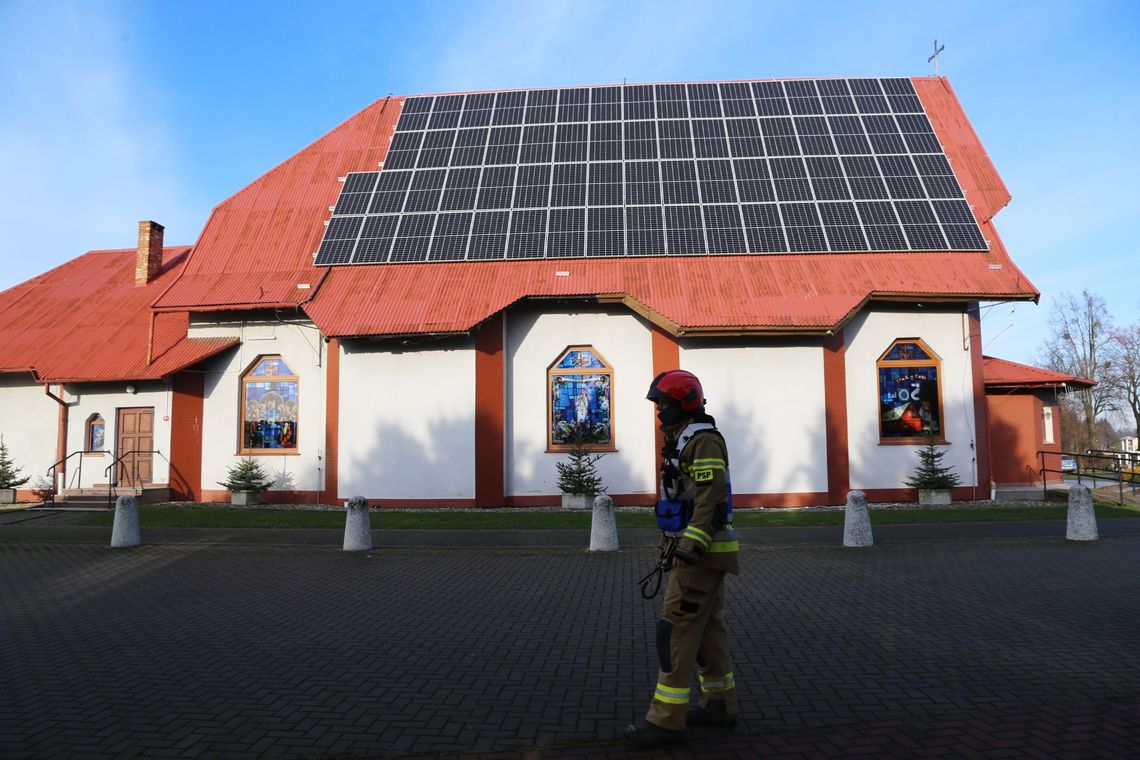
[114, 112]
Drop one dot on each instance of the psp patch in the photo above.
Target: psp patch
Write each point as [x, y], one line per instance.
[702, 476]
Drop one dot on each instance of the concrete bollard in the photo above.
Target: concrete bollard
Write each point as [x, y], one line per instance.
[857, 521]
[1082, 518]
[125, 531]
[357, 528]
[603, 526]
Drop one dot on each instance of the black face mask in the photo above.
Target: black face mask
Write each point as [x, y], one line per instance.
[670, 414]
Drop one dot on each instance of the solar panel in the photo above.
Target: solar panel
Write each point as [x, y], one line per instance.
[706, 168]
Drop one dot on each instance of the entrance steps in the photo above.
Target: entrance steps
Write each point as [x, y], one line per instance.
[102, 498]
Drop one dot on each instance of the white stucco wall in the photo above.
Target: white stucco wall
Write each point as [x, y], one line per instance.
[767, 398]
[106, 399]
[867, 336]
[28, 422]
[536, 337]
[407, 420]
[300, 344]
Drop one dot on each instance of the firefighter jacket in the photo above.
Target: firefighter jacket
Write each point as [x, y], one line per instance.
[696, 470]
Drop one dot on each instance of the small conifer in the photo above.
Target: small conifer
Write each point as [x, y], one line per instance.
[580, 474]
[246, 475]
[9, 472]
[931, 474]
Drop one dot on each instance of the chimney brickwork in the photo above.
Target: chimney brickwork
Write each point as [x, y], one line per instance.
[148, 260]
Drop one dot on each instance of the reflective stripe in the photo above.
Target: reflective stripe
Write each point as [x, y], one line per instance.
[671, 695]
[698, 535]
[716, 464]
[727, 544]
[720, 547]
[712, 685]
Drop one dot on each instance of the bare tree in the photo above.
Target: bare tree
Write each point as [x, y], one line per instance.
[1080, 329]
[1124, 369]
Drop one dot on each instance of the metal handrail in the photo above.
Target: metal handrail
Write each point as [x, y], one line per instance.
[1114, 469]
[51, 471]
[113, 481]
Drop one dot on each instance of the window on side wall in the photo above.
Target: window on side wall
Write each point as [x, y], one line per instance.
[910, 394]
[579, 400]
[269, 407]
[95, 435]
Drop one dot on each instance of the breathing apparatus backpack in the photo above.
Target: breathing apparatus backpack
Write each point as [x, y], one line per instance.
[675, 508]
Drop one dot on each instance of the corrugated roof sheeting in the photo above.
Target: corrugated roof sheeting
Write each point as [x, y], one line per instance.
[730, 292]
[86, 320]
[258, 245]
[983, 186]
[1002, 372]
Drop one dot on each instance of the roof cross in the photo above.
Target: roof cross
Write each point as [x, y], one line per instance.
[934, 58]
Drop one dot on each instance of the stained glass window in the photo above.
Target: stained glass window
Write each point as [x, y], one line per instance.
[910, 399]
[96, 431]
[580, 400]
[269, 406]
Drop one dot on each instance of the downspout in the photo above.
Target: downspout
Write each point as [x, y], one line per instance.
[61, 437]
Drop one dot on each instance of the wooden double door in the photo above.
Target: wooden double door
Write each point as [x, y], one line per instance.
[134, 446]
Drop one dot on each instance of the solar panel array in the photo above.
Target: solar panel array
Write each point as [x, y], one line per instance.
[799, 166]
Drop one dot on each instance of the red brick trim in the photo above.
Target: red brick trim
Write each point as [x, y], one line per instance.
[770, 500]
[981, 408]
[742, 501]
[186, 405]
[424, 503]
[620, 499]
[32, 495]
[835, 417]
[216, 495]
[332, 423]
[666, 355]
[884, 495]
[490, 413]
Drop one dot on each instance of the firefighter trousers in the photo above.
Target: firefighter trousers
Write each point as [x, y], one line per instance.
[692, 631]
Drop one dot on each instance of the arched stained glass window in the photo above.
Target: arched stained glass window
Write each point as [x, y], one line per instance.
[579, 400]
[269, 407]
[910, 397]
[96, 433]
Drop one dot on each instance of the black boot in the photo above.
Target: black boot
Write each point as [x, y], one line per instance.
[646, 734]
[714, 713]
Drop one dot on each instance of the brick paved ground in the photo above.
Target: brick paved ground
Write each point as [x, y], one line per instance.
[983, 641]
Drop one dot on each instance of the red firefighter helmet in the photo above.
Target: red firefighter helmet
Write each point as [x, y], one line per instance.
[679, 385]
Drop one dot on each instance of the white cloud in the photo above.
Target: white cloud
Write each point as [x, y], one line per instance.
[84, 156]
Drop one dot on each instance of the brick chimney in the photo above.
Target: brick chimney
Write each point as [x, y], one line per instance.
[148, 260]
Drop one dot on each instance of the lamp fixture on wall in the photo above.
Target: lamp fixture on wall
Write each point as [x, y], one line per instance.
[131, 389]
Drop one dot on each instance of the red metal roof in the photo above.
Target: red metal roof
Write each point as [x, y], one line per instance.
[258, 244]
[1004, 373]
[87, 321]
[257, 248]
[984, 189]
[682, 294]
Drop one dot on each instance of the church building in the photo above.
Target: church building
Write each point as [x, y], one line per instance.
[429, 304]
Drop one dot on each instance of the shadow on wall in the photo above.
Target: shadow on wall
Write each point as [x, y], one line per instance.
[1013, 458]
[436, 460]
[752, 444]
[419, 460]
[613, 468]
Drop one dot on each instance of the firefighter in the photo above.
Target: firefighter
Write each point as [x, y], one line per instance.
[699, 547]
